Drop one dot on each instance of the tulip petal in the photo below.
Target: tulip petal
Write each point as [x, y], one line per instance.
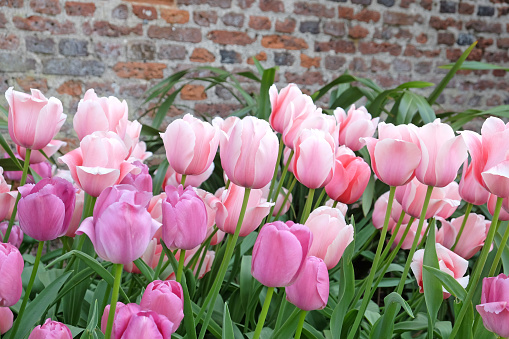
[396, 161]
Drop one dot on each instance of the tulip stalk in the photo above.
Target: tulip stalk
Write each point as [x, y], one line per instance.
[263, 315]
[181, 265]
[287, 196]
[276, 168]
[307, 206]
[114, 298]
[183, 180]
[27, 291]
[280, 185]
[300, 325]
[460, 232]
[393, 236]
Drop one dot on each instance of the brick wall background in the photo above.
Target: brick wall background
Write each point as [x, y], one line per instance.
[122, 48]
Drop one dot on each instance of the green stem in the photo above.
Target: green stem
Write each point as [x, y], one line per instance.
[181, 265]
[183, 180]
[307, 206]
[283, 175]
[400, 243]
[300, 325]
[335, 203]
[367, 292]
[287, 196]
[319, 201]
[276, 168]
[393, 236]
[263, 315]
[227, 184]
[500, 250]
[467, 213]
[230, 247]
[204, 244]
[28, 290]
[114, 299]
[24, 175]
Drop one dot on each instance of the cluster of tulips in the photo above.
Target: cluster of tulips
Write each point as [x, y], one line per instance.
[106, 197]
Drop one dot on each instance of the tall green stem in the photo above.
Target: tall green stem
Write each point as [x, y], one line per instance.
[393, 236]
[307, 206]
[181, 265]
[24, 175]
[367, 291]
[280, 185]
[287, 196]
[114, 298]
[467, 213]
[263, 315]
[319, 200]
[183, 180]
[276, 168]
[28, 290]
[300, 325]
[500, 250]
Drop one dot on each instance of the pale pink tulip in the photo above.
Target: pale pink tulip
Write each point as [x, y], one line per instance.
[469, 189]
[279, 201]
[380, 209]
[139, 152]
[280, 102]
[412, 233]
[316, 120]
[174, 179]
[37, 156]
[343, 208]
[225, 125]
[504, 211]
[286, 155]
[7, 198]
[6, 318]
[451, 193]
[11, 267]
[311, 289]
[355, 124]
[494, 306]
[298, 117]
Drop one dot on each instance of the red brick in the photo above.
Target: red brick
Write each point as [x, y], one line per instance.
[366, 15]
[338, 46]
[384, 47]
[406, 3]
[155, 2]
[427, 4]
[465, 8]
[174, 16]
[12, 3]
[9, 41]
[358, 65]
[287, 26]
[397, 18]
[233, 19]
[139, 70]
[446, 38]
[244, 4]
[202, 55]
[51, 7]
[455, 53]
[42, 24]
[334, 28]
[483, 42]
[284, 42]
[481, 26]
[272, 6]
[345, 13]
[262, 56]
[261, 23]
[313, 9]
[175, 34]
[75, 8]
[495, 100]
[306, 78]
[230, 38]
[308, 62]
[145, 12]
[422, 38]
[3, 20]
[502, 11]
[334, 62]
[29, 82]
[193, 92]
[71, 87]
[205, 18]
[385, 81]
[378, 65]
[503, 43]
[499, 73]
[438, 23]
[496, 57]
[135, 90]
[104, 28]
[357, 32]
[222, 110]
[412, 51]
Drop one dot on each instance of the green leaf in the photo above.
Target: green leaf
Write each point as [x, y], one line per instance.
[415, 84]
[165, 85]
[250, 75]
[9, 165]
[94, 318]
[347, 98]
[288, 328]
[227, 323]
[246, 280]
[396, 298]
[425, 111]
[7, 148]
[367, 196]
[145, 269]
[149, 131]
[342, 79]
[346, 290]
[475, 65]
[164, 108]
[450, 284]
[407, 108]
[264, 102]
[159, 177]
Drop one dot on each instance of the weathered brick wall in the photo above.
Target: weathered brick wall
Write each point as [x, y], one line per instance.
[122, 48]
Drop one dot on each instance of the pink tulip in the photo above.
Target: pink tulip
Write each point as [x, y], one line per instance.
[165, 298]
[303, 114]
[139, 152]
[123, 314]
[286, 155]
[11, 266]
[142, 181]
[51, 330]
[310, 291]
[395, 154]
[99, 162]
[174, 179]
[212, 204]
[331, 234]
[249, 153]
[280, 103]
[350, 179]
[228, 216]
[148, 324]
[76, 214]
[225, 125]
[45, 209]
[355, 124]
[37, 156]
[148, 257]
[7, 198]
[343, 208]
[313, 163]
[469, 189]
[449, 262]
[492, 201]
[279, 253]
[473, 236]
[412, 233]
[43, 169]
[6, 318]
[33, 119]
[121, 227]
[16, 236]
[379, 211]
[451, 193]
[494, 306]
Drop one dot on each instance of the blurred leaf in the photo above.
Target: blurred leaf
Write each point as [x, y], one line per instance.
[475, 65]
[145, 269]
[250, 75]
[264, 102]
[346, 290]
[407, 108]
[149, 130]
[159, 177]
[368, 195]
[9, 165]
[415, 84]
[432, 287]
[347, 98]
[6, 148]
[163, 109]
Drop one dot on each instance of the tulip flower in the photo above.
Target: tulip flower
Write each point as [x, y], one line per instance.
[36, 156]
[225, 125]
[449, 262]
[212, 204]
[45, 209]
[412, 233]
[148, 257]
[355, 124]
[395, 154]
[279, 200]
[165, 298]
[7, 198]
[139, 152]
[121, 227]
[142, 181]
[148, 324]
[11, 266]
[16, 236]
[469, 189]
[343, 208]
[331, 234]
[174, 179]
[504, 212]
[43, 169]
[380, 209]
[451, 193]
[249, 153]
[494, 306]
[76, 214]
[305, 115]
[6, 318]
[123, 314]
[311, 289]
[33, 120]
[279, 253]
[280, 102]
[191, 145]
[184, 218]
[51, 330]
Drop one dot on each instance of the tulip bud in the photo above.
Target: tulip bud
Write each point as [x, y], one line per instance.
[142, 181]
[16, 236]
[280, 102]
[494, 306]
[11, 267]
[6, 318]
[311, 289]
[51, 330]
[355, 124]
[165, 298]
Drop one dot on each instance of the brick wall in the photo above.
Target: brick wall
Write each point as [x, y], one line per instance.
[122, 48]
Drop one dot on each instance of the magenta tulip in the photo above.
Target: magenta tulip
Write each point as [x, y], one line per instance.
[37, 156]
[33, 120]
[142, 181]
[6, 318]
[51, 330]
[165, 298]
[45, 209]
[469, 189]
[280, 114]
[249, 153]
[279, 253]
[355, 124]
[212, 204]
[121, 227]
[494, 306]
[16, 236]
[11, 266]
[310, 291]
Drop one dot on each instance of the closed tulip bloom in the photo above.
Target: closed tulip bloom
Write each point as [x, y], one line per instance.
[379, 211]
[412, 233]
[350, 179]
[142, 181]
[7, 198]
[76, 214]
[442, 154]
[492, 201]
[249, 153]
[355, 124]
[313, 163]
[343, 208]
[16, 236]
[331, 234]
[494, 306]
[225, 125]
[311, 289]
[315, 120]
[191, 145]
[121, 227]
[11, 266]
[212, 204]
[184, 218]
[6, 318]
[51, 330]
[36, 156]
[174, 179]
[449, 262]
[123, 314]
[279, 253]
[395, 154]
[450, 193]
[147, 324]
[469, 189]
[165, 298]
[147, 257]
[45, 209]
[33, 120]
[280, 102]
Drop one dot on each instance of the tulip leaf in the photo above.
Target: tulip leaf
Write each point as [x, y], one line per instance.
[288, 328]
[7, 148]
[214, 328]
[367, 196]
[227, 323]
[475, 65]
[163, 109]
[394, 297]
[347, 98]
[268, 76]
[450, 284]
[159, 177]
[465, 330]
[425, 111]
[246, 280]
[9, 165]
[444, 329]
[146, 270]
[415, 84]
[407, 108]
[346, 290]
[93, 318]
